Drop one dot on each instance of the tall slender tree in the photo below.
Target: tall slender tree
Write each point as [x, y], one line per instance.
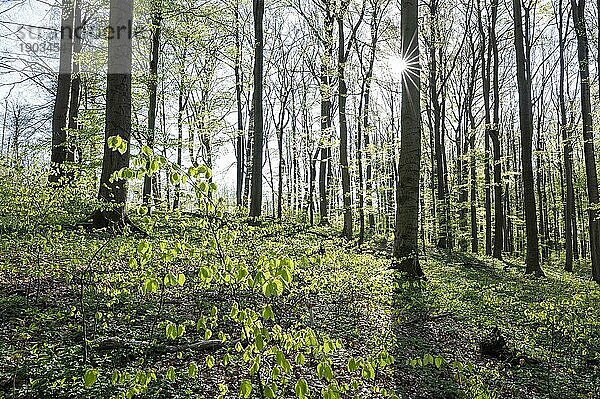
[343, 55]
[113, 189]
[406, 245]
[239, 87]
[567, 146]
[526, 123]
[61, 102]
[578, 12]
[153, 90]
[258, 11]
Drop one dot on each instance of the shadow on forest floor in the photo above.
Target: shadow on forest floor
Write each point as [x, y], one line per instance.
[464, 299]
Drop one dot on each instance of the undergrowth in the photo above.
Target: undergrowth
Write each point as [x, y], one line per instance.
[207, 306]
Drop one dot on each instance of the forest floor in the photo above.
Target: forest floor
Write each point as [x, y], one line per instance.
[95, 316]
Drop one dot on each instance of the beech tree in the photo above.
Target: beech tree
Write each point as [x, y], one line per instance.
[532, 259]
[113, 188]
[257, 106]
[60, 121]
[593, 208]
[406, 246]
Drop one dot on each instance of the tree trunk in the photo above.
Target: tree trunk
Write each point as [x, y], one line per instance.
[118, 115]
[258, 11]
[578, 11]
[325, 90]
[75, 83]
[180, 110]
[152, 89]
[239, 86]
[406, 249]
[438, 149]
[494, 133]
[526, 123]
[61, 104]
[342, 97]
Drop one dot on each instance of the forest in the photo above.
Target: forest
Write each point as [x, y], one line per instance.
[299, 199]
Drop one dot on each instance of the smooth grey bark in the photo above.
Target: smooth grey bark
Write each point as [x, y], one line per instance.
[532, 260]
[58, 156]
[75, 82]
[593, 209]
[343, 55]
[258, 11]
[118, 116]
[324, 144]
[406, 247]
[569, 204]
[494, 133]
[152, 90]
[239, 87]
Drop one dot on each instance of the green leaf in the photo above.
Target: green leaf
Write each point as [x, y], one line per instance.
[368, 372]
[255, 365]
[242, 272]
[259, 342]
[114, 142]
[324, 371]
[90, 377]
[116, 376]
[128, 173]
[193, 370]
[269, 394]
[175, 178]
[154, 166]
[147, 150]
[210, 361]
[245, 389]
[180, 330]
[277, 287]
[171, 374]
[352, 364]
[301, 388]
[267, 313]
[427, 359]
[170, 279]
[181, 279]
[286, 274]
[143, 247]
[205, 273]
[234, 310]
[122, 148]
[171, 331]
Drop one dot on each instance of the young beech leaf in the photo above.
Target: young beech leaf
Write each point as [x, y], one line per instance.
[210, 361]
[267, 313]
[147, 150]
[193, 370]
[245, 389]
[439, 361]
[170, 374]
[90, 377]
[269, 394]
[301, 388]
